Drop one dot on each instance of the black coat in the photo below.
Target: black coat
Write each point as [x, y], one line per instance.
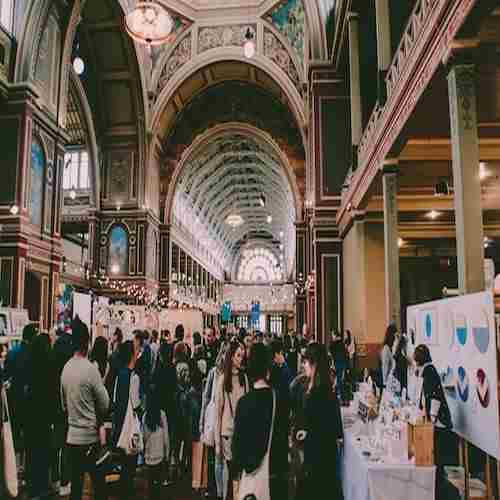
[323, 424]
[251, 432]
[432, 389]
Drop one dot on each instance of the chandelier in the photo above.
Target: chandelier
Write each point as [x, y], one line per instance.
[234, 220]
[149, 23]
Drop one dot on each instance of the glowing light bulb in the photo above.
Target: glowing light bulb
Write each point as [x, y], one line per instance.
[72, 194]
[78, 65]
[14, 209]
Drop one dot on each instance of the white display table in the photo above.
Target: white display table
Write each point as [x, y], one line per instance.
[366, 480]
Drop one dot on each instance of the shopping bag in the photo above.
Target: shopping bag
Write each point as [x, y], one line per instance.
[9, 454]
[208, 437]
[131, 440]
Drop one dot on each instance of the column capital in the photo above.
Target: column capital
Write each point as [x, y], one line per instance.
[461, 52]
[390, 166]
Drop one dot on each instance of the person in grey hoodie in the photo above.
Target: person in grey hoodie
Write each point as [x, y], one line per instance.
[85, 401]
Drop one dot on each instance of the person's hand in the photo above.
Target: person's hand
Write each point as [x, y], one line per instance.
[301, 435]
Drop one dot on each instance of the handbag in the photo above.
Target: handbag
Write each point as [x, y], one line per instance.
[9, 454]
[256, 484]
[131, 440]
[208, 437]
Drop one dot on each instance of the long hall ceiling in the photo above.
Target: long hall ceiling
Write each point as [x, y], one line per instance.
[228, 176]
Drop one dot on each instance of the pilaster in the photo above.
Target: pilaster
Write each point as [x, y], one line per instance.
[467, 188]
[384, 52]
[392, 284]
[355, 86]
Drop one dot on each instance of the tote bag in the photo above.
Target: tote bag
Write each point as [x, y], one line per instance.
[208, 437]
[9, 454]
[256, 484]
[131, 440]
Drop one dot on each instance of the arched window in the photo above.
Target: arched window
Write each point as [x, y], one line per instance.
[259, 265]
[37, 172]
[7, 14]
[118, 251]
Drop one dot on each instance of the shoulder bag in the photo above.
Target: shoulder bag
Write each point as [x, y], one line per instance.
[9, 454]
[131, 440]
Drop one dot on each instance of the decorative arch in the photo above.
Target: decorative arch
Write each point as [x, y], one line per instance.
[201, 61]
[118, 250]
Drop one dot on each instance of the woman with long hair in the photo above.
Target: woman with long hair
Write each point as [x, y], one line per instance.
[386, 356]
[99, 356]
[156, 439]
[215, 464]
[41, 404]
[126, 386]
[230, 388]
[260, 442]
[323, 427]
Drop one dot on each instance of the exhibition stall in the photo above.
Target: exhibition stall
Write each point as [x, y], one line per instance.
[388, 441]
[130, 318]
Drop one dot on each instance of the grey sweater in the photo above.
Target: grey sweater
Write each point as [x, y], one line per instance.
[84, 399]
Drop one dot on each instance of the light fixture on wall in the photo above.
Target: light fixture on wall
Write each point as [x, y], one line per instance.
[14, 209]
[282, 234]
[262, 200]
[433, 214]
[149, 23]
[400, 242]
[72, 193]
[269, 219]
[249, 45]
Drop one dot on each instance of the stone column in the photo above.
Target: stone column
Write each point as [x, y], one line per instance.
[355, 86]
[392, 291]
[384, 52]
[465, 157]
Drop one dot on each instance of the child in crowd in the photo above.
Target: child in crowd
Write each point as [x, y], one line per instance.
[156, 440]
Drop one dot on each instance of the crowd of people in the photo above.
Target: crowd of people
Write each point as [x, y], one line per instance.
[245, 414]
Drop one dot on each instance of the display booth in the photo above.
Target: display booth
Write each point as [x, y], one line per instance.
[12, 323]
[388, 440]
[130, 318]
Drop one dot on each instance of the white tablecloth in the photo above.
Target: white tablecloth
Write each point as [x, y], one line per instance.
[363, 480]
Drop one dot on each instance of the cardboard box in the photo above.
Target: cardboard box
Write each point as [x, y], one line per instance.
[421, 443]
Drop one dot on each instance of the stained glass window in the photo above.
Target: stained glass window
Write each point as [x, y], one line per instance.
[118, 251]
[7, 14]
[37, 173]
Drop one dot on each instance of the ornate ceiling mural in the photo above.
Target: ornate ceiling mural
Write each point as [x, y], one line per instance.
[289, 18]
[235, 101]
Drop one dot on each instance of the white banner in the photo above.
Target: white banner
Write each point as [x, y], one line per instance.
[461, 335]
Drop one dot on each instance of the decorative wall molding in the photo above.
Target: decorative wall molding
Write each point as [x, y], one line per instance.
[211, 37]
[180, 55]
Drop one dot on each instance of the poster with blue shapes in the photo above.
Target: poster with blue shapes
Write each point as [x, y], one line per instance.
[429, 326]
[37, 172]
[461, 335]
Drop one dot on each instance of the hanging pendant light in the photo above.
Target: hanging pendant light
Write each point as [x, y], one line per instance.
[249, 46]
[149, 23]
